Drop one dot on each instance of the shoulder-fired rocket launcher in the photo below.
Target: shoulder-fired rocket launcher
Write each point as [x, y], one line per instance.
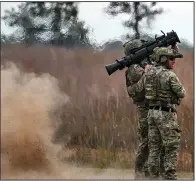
[143, 52]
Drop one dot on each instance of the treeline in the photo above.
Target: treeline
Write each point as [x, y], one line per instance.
[53, 23]
[58, 24]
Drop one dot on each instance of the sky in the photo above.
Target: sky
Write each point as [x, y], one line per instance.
[177, 16]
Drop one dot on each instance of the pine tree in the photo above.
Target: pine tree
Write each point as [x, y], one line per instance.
[137, 11]
[55, 23]
[27, 28]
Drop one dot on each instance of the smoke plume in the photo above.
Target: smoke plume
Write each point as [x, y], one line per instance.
[28, 102]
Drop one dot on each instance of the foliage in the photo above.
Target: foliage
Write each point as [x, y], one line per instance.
[53, 23]
[137, 11]
[27, 27]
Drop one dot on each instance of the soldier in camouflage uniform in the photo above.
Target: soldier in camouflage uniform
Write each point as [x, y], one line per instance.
[133, 75]
[163, 92]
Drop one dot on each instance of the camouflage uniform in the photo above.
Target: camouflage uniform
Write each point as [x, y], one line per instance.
[133, 75]
[163, 92]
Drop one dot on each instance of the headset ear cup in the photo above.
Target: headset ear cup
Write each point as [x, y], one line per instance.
[163, 59]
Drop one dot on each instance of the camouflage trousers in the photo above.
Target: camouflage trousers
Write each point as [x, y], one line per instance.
[163, 130]
[141, 162]
[141, 168]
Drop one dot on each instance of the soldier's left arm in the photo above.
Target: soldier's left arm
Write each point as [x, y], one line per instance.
[176, 86]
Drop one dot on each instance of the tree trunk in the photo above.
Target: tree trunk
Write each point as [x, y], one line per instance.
[136, 24]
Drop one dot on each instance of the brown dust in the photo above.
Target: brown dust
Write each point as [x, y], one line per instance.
[27, 101]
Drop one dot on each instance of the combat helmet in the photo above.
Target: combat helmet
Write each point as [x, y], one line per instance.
[162, 54]
[131, 45]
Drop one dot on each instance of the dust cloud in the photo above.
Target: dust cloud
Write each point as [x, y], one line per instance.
[27, 103]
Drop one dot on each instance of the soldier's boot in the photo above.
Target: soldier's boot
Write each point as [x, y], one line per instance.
[142, 175]
[153, 174]
[170, 175]
[154, 177]
[146, 172]
[141, 167]
[139, 173]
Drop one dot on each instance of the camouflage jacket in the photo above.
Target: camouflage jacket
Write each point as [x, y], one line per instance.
[133, 74]
[160, 85]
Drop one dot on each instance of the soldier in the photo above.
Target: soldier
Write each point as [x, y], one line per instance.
[163, 92]
[133, 75]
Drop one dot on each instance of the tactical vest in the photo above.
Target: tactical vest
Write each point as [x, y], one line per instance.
[157, 88]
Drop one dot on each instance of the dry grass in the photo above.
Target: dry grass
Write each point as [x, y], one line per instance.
[100, 115]
[99, 157]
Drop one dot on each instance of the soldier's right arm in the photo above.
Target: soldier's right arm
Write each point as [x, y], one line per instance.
[137, 87]
[176, 86]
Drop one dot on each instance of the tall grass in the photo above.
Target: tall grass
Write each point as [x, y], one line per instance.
[100, 114]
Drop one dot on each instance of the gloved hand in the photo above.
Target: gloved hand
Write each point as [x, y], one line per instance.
[147, 68]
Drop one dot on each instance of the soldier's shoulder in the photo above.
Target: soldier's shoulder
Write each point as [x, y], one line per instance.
[152, 71]
[170, 73]
[135, 66]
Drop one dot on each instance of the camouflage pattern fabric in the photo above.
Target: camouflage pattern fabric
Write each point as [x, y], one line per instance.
[166, 87]
[161, 167]
[164, 51]
[157, 89]
[141, 162]
[131, 45]
[163, 128]
[133, 74]
[141, 167]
